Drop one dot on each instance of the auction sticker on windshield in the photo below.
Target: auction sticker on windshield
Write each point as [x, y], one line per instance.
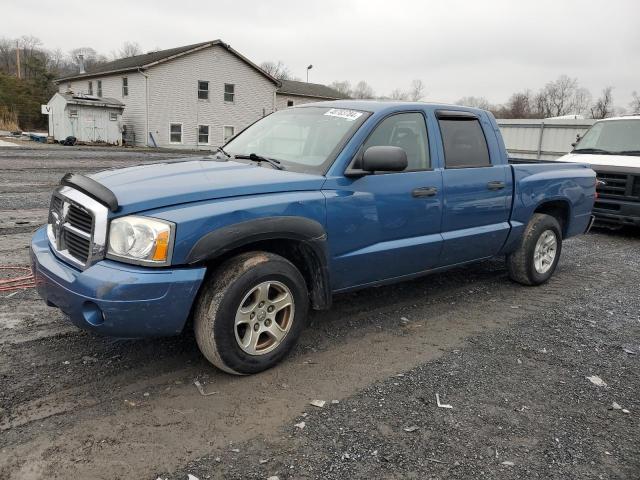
[350, 115]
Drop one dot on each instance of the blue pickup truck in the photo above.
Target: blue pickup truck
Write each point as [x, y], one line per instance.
[303, 204]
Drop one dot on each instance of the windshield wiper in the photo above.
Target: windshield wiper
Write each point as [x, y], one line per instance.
[215, 155]
[592, 150]
[628, 152]
[258, 158]
[221, 150]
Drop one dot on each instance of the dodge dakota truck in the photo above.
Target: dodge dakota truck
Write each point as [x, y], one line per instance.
[303, 204]
[612, 148]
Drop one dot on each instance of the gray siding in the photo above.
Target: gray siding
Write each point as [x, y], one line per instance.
[283, 98]
[135, 109]
[173, 97]
[92, 124]
[173, 91]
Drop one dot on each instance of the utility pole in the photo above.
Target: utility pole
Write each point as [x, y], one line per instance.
[18, 59]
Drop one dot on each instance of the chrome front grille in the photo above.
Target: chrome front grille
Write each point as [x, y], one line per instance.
[77, 227]
[80, 219]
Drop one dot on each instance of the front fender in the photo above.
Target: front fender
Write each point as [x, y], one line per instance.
[209, 230]
[309, 247]
[218, 242]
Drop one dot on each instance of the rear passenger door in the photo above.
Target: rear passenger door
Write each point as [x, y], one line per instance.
[477, 188]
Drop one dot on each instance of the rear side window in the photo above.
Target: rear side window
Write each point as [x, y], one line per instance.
[405, 130]
[464, 143]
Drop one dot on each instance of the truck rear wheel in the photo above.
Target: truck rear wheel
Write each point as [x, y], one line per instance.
[537, 257]
[250, 312]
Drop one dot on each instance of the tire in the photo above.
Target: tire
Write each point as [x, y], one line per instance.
[233, 294]
[522, 264]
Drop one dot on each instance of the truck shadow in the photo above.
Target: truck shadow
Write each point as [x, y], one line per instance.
[82, 361]
[624, 232]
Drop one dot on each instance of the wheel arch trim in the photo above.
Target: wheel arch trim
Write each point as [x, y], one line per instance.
[308, 233]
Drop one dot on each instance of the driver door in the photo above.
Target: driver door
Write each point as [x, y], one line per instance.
[387, 225]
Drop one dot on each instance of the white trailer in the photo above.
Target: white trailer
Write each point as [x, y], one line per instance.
[89, 118]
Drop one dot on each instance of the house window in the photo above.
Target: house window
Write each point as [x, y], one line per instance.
[175, 135]
[99, 85]
[113, 116]
[203, 90]
[73, 112]
[227, 132]
[125, 86]
[203, 134]
[289, 103]
[90, 89]
[229, 92]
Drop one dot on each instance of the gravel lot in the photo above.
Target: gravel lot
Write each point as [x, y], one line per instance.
[512, 361]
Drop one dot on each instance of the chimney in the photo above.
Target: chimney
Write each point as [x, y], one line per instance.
[81, 64]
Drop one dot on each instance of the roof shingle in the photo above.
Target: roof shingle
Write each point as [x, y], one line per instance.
[306, 89]
[147, 59]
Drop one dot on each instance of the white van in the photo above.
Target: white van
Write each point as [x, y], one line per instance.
[612, 148]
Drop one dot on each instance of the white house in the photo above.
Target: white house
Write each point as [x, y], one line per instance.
[88, 118]
[196, 96]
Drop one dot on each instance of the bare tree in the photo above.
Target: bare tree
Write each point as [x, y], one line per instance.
[7, 55]
[475, 102]
[30, 55]
[562, 97]
[398, 94]
[416, 93]
[520, 105]
[581, 101]
[56, 61]
[91, 57]
[129, 49]
[556, 96]
[634, 105]
[363, 90]
[344, 87]
[603, 107]
[277, 70]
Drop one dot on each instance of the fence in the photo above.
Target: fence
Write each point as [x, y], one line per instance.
[541, 139]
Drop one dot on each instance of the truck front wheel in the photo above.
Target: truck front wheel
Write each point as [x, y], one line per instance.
[537, 257]
[251, 312]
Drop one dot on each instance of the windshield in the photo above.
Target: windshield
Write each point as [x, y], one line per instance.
[305, 139]
[613, 136]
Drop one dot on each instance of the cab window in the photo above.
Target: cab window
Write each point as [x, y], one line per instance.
[407, 131]
[464, 143]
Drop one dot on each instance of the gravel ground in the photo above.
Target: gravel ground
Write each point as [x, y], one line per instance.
[522, 406]
[511, 361]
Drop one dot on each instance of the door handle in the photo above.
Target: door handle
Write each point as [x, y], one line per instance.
[495, 185]
[424, 192]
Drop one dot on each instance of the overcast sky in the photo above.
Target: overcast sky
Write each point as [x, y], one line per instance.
[487, 48]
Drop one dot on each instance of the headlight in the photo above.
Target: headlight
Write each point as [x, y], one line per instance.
[141, 240]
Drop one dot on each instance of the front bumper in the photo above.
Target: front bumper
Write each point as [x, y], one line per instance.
[114, 298]
[617, 212]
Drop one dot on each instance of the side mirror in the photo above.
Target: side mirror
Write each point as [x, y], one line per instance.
[384, 159]
[578, 137]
